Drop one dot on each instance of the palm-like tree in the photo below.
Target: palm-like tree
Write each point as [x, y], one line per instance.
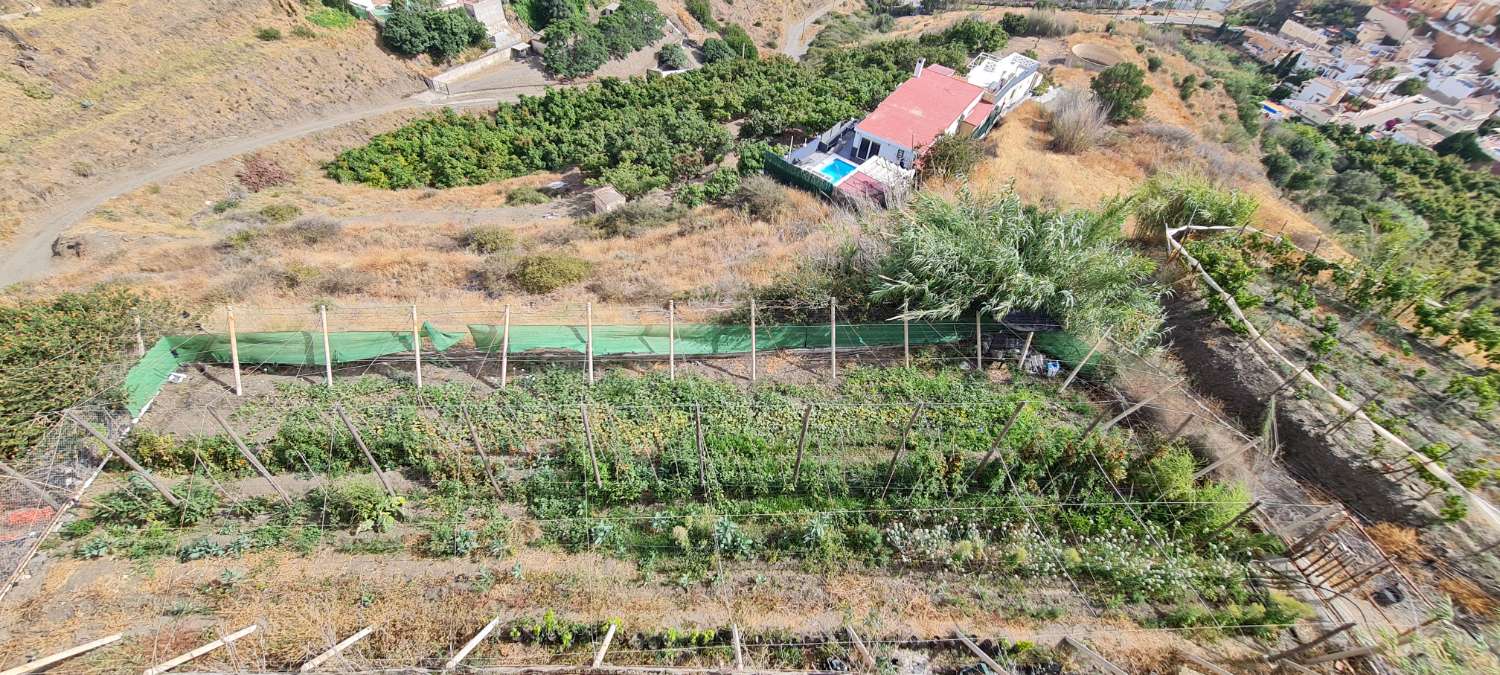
[990, 254]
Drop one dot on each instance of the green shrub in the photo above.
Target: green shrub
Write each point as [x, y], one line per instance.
[703, 13]
[304, 32]
[526, 196]
[575, 48]
[634, 25]
[488, 239]
[277, 214]
[544, 273]
[268, 34]
[1122, 88]
[328, 17]
[671, 57]
[739, 42]
[1153, 63]
[415, 28]
[360, 506]
[951, 155]
[633, 218]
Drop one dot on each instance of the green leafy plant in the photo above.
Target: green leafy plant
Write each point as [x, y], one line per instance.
[544, 273]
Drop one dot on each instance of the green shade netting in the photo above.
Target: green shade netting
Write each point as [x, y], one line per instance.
[305, 348]
[708, 339]
[284, 348]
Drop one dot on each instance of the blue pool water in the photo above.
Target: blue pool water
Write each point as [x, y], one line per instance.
[836, 170]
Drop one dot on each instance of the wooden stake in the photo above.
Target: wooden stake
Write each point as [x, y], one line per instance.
[473, 642]
[484, 457]
[588, 434]
[1297, 548]
[1288, 381]
[801, 444]
[30, 485]
[505, 348]
[739, 651]
[1355, 413]
[609, 636]
[1091, 655]
[1203, 664]
[753, 364]
[1309, 645]
[672, 339]
[416, 344]
[227, 639]
[336, 650]
[1182, 426]
[999, 439]
[588, 309]
[1025, 351]
[1237, 518]
[250, 457]
[234, 352]
[1222, 460]
[905, 334]
[983, 657]
[905, 433]
[1340, 656]
[702, 449]
[859, 646]
[140, 339]
[62, 655]
[1074, 373]
[327, 351]
[833, 339]
[127, 459]
[360, 441]
[1131, 410]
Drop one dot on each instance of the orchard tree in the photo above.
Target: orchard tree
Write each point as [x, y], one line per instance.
[1122, 87]
[575, 48]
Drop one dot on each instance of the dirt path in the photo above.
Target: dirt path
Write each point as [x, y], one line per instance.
[29, 255]
[792, 43]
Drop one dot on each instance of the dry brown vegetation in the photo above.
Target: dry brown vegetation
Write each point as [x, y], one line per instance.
[90, 89]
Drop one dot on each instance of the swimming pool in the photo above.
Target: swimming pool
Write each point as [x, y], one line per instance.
[836, 170]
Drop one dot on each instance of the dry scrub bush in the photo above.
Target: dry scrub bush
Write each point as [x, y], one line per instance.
[1047, 23]
[487, 239]
[634, 218]
[346, 281]
[1184, 150]
[1398, 541]
[260, 172]
[629, 288]
[544, 273]
[310, 230]
[1077, 120]
[763, 197]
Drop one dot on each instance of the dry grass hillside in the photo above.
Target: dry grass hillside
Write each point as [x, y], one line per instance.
[92, 89]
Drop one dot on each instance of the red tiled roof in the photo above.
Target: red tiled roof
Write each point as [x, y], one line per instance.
[939, 69]
[921, 108]
[980, 112]
[860, 186]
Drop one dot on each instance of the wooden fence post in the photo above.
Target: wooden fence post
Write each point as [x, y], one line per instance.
[473, 642]
[833, 339]
[140, 339]
[227, 639]
[672, 339]
[336, 650]
[859, 648]
[250, 457]
[801, 444]
[1074, 372]
[327, 351]
[905, 334]
[588, 433]
[609, 637]
[135, 466]
[978, 344]
[416, 345]
[1237, 518]
[702, 449]
[1181, 427]
[1309, 645]
[1131, 410]
[979, 653]
[895, 457]
[234, 352]
[505, 349]
[1352, 414]
[1222, 460]
[62, 655]
[369, 457]
[753, 363]
[30, 485]
[588, 309]
[1025, 352]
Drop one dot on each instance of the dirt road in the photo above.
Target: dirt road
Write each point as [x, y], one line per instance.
[29, 255]
[792, 43]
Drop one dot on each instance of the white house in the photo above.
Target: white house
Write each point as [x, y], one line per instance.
[932, 103]
[1008, 79]
[1321, 90]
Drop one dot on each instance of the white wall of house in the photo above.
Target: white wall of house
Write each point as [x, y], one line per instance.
[891, 151]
